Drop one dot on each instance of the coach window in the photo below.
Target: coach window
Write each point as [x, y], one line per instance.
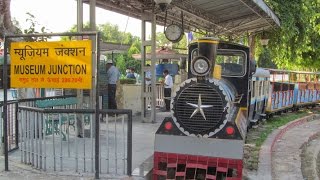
[253, 88]
[257, 89]
[232, 62]
[260, 88]
[266, 87]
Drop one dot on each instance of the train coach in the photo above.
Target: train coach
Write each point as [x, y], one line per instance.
[291, 90]
[279, 91]
[212, 110]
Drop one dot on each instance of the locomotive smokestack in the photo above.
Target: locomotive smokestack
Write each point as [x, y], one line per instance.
[208, 48]
[203, 65]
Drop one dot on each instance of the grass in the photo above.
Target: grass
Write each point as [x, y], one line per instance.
[256, 137]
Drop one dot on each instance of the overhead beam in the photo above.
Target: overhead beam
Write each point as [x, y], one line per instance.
[258, 4]
[119, 8]
[195, 12]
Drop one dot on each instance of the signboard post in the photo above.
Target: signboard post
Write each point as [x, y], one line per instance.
[61, 64]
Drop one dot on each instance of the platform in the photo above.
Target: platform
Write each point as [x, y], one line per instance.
[142, 149]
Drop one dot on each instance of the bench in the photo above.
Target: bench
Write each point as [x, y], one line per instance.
[52, 123]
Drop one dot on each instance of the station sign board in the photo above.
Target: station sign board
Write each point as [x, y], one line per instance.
[59, 64]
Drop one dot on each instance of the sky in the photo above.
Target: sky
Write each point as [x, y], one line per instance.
[60, 15]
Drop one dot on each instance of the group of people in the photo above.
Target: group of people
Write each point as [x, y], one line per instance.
[131, 74]
[113, 75]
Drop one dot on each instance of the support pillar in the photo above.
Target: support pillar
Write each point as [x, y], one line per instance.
[79, 29]
[252, 46]
[94, 98]
[147, 95]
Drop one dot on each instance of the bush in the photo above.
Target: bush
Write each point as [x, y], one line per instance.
[128, 81]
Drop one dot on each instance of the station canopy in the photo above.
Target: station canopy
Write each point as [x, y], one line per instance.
[220, 17]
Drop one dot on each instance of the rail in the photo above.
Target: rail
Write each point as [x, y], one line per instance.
[160, 95]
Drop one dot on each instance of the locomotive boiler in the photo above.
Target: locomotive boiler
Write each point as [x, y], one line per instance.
[204, 137]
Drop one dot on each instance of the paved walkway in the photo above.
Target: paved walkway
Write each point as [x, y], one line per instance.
[143, 145]
[279, 157]
[286, 161]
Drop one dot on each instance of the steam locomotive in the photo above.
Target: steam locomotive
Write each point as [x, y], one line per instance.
[212, 110]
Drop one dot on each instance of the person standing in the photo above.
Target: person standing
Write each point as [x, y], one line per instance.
[148, 86]
[148, 76]
[113, 76]
[168, 84]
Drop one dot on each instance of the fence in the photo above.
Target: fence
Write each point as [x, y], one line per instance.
[64, 150]
[12, 121]
[160, 95]
[48, 139]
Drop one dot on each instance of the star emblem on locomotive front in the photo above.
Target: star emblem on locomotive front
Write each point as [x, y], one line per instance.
[199, 108]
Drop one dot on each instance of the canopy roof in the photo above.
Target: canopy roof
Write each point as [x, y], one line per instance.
[110, 47]
[226, 17]
[162, 53]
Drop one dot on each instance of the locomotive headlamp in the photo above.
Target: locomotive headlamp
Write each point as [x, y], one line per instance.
[200, 66]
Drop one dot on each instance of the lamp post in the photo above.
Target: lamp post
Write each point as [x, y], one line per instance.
[163, 4]
[264, 39]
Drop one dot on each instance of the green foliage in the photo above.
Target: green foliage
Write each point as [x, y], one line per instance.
[111, 33]
[127, 81]
[34, 28]
[296, 45]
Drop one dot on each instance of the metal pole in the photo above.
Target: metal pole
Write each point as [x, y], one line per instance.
[79, 91]
[94, 92]
[93, 28]
[17, 124]
[5, 104]
[129, 144]
[97, 124]
[153, 70]
[143, 62]
[80, 15]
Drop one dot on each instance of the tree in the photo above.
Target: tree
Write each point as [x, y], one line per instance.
[6, 25]
[296, 44]
[111, 33]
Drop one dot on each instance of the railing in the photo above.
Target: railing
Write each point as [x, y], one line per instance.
[12, 121]
[160, 95]
[12, 125]
[64, 150]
